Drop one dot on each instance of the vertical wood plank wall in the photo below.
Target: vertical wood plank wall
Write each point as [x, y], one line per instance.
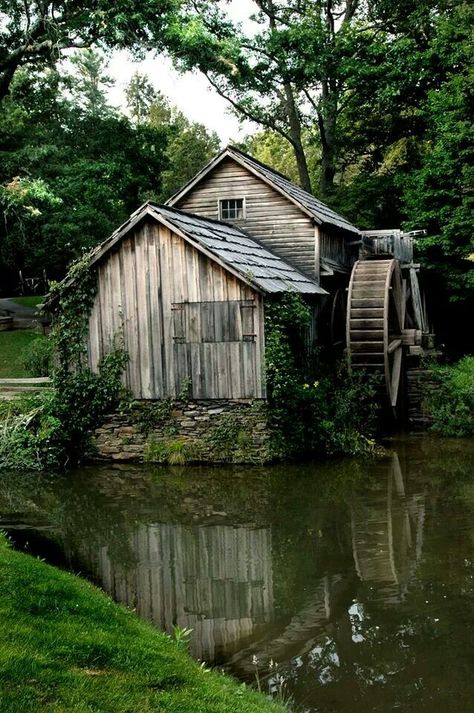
[153, 274]
[270, 217]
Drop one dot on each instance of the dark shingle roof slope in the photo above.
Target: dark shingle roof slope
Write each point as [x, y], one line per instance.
[245, 255]
[319, 210]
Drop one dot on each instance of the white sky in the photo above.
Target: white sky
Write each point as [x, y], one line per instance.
[190, 92]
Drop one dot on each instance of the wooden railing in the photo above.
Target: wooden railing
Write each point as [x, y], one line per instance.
[388, 242]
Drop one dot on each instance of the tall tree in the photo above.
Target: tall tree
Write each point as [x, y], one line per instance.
[140, 94]
[90, 82]
[290, 74]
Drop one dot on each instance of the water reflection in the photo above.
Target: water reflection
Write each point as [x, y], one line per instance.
[356, 577]
[387, 534]
[216, 580]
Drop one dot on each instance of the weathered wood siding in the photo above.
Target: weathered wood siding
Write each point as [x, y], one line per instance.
[186, 321]
[269, 216]
[334, 249]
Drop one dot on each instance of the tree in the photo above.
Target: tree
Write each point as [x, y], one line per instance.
[292, 73]
[190, 145]
[140, 94]
[98, 167]
[33, 33]
[90, 82]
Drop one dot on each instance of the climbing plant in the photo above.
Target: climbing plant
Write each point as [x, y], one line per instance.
[315, 407]
[57, 427]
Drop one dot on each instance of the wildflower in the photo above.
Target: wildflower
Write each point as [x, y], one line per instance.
[254, 660]
[305, 386]
[316, 384]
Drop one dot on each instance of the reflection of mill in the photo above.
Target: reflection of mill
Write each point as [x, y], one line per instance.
[387, 535]
[220, 580]
[215, 579]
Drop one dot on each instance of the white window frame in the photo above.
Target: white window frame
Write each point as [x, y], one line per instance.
[238, 198]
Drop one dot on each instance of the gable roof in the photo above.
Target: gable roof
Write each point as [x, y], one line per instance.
[231, 247]
[316, 209]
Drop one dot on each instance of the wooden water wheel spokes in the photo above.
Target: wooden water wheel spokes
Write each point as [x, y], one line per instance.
[375, 321]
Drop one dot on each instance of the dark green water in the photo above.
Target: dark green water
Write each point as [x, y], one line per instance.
[356, 577]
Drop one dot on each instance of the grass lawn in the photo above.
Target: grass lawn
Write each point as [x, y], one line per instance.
[65, 647]
[12, 345]
[29, 301]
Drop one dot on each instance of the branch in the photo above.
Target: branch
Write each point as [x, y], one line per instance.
[246, 113]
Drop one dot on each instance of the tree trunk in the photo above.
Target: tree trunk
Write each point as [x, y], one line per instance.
[296, 140]
[327, 131]
[6, 77]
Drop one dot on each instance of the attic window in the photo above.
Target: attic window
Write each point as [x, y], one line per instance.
[231, 208]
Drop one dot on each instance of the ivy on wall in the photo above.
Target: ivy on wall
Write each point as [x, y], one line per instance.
[314, 407]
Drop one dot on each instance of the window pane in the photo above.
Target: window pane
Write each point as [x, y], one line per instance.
[231, 208]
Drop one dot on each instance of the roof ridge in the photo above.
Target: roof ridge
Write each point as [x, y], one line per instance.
[231, 147]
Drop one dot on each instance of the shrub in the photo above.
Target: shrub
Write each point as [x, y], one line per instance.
[37, 357]
[314, 406]
[450, 404]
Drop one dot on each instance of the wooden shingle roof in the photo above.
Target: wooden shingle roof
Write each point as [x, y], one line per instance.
[316, 209]
[227, 244]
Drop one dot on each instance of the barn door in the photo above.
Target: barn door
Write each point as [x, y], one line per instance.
[215, 350]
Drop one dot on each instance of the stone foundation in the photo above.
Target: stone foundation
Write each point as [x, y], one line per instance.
[419, 383]
[186, 432]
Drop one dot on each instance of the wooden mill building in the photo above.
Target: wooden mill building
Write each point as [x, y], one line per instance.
[188, 294]
[186, 285]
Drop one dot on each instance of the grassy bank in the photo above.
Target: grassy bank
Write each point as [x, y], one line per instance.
[66, 647]
[451, 404]
[12, 347]
[30, 301]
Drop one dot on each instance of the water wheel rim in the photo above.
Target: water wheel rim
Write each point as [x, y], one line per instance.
[393, 351]
[375, 322]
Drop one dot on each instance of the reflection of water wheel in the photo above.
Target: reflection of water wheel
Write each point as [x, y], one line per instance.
[382, 537]
[375, 326]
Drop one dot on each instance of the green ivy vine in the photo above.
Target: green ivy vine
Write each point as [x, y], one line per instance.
[314, 407]
[54, 428]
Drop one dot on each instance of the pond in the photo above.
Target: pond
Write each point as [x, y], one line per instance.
[355, 577]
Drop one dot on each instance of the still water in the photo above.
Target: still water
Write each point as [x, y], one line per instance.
[355, 577]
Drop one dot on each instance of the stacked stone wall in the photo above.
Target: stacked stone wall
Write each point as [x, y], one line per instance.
[193, 431]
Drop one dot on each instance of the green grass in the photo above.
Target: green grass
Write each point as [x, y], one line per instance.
[31, 301]
[65, 647]
[12, 345]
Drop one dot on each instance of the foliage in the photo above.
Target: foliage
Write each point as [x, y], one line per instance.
[67, 641]
[37, 357]
[450, 403]
[34, 34]
[229, 436]
[312, 408]
[57, 430]
[151, 416]
[72, 168]
[174, 451]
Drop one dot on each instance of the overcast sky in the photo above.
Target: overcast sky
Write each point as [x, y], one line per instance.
[189, 92]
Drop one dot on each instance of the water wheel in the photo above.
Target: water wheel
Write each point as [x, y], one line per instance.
[375, 326]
